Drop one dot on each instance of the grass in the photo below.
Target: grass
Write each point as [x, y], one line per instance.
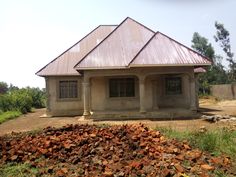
[4, 116]
[216, 142]
[18, 170]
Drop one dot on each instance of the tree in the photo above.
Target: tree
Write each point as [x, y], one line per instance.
[202, 46]
[215, 73]
[222, 37]
[3, 87]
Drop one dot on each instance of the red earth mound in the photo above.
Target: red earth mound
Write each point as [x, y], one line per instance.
[127, 150]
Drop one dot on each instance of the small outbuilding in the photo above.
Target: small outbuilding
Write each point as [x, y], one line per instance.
[124, 71]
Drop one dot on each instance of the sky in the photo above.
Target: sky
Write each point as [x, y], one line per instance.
[34, 32]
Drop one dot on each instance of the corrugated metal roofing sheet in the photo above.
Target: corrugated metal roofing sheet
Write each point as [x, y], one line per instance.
[162, 50]
[119, 48]
[63, 64]
[199, 70]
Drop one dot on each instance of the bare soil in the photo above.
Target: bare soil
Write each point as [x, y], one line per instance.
[33, 121]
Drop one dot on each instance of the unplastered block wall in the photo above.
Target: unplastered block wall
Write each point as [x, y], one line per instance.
[63, 107]
[224, 91]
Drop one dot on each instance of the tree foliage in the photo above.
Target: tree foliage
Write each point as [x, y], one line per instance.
[215, 73]
[3, 87]
[222, 37]
[22, 99]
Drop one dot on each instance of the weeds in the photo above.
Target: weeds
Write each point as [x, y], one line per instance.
[4, 116]
[17, 170]
[215, 142]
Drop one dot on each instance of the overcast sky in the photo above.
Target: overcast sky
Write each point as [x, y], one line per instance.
[34, 32]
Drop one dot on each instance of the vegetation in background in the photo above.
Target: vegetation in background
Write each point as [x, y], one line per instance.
[222, 37]
[15, 101]
[216, 73]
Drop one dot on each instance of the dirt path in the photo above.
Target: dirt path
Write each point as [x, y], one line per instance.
[32, 121]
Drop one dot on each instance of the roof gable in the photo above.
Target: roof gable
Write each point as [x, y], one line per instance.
[119, 48]
[163, 50]
[64, 63]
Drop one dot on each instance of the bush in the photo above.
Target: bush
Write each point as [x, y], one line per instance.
[38, 97]
[22, 100]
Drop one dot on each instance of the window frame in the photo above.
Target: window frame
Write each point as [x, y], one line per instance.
[68, 98]
[121, 97]
[167, 93]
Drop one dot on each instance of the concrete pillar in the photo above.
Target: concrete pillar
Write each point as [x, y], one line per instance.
[197, 90]
[193, 105]
[86, 96]
[142, 94]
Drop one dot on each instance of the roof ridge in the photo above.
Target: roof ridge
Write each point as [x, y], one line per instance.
[144, 46]
[186, 47]
[69, 48]
[110, 35]
[141, 24]
[100, 42]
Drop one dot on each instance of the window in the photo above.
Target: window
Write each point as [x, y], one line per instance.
[173, 85]
[122, 87]
[68, 89]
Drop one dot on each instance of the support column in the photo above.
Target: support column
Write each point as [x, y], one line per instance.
[86, 90]
[193, 105]
[142, 94]
[197, 90]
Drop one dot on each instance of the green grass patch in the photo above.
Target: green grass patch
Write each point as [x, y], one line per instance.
[4, 116]
[18, 170]
[216, 142]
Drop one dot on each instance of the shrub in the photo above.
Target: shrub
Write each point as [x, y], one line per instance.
[22, 99]
[38, 97]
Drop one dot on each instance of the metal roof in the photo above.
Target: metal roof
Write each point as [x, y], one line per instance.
[164, 51]
[129, 44]
[199, 70]
[118, 48]
[64, 63]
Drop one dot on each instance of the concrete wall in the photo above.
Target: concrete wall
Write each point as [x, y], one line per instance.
[100, 100]
[224, 91]
[155, 96]
[63, 107]
[172, 101]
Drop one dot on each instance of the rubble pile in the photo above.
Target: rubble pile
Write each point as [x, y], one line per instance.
[217, 118]
[125, 150]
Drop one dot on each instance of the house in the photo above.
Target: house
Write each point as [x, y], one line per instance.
[124, 71]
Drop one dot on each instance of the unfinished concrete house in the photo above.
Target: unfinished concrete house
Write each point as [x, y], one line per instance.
[124, 71]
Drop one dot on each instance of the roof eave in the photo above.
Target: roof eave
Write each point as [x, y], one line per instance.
[101, 68]
[159, 65]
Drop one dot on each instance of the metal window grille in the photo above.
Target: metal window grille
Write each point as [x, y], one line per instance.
[68, 89]
[173, 85]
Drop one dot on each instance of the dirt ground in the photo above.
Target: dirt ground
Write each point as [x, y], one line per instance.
[33, 121]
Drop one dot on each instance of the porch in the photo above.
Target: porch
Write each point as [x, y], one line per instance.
[161, 114]
[140, 93]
